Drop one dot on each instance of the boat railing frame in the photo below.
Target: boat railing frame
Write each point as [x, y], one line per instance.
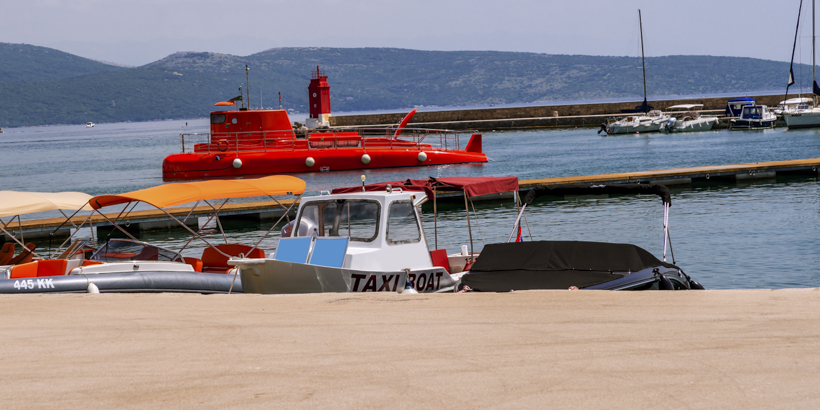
[277, 141]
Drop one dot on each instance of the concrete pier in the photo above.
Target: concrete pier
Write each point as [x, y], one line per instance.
[157, 220]
[723, 349]
[545, 116]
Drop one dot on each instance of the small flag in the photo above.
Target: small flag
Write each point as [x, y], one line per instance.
[237, 98]
[519, 238]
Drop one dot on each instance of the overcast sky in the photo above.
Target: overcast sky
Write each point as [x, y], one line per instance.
[139, 32]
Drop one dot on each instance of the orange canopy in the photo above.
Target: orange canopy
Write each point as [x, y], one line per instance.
[166, 195]
[225, 103]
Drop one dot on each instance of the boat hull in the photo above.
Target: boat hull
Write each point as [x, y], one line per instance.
[802, 120]
[634, 128]
[692, 126]
[208, 165]
[741, 124]
[156, 281]
[270, 276]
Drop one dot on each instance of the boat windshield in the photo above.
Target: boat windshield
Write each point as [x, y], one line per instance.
[354, 218]
[752, 111]
[126, 250]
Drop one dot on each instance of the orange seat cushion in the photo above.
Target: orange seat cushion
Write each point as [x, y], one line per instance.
[25, 270]
[211, 258]
[439, 257]
[25, 255]
[90, 263]
[6, 253]
[195, 263]
[51, 267]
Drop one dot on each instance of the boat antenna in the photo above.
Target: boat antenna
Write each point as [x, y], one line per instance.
[794, 46]
[248, 86]
[241, 98]
[643, 63]
[280, 100]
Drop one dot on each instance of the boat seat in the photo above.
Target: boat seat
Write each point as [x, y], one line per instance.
[213, 261]
[195, 263]
[25, 255]
[51, 267]
[24, 270]
[329, 252]
[294, 250]
[38, 269]
[6, 253]
[148, 253]
[440, 259]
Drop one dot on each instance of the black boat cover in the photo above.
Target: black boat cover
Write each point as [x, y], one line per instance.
[503, 267]
[599, 189]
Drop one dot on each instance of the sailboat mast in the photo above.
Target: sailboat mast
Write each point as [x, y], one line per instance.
[813, 63]
[643, 59]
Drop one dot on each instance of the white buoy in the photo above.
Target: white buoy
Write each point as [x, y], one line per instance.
[237, 163]
[92, 288]
[309, 162]
[422, 156]
[365, 159]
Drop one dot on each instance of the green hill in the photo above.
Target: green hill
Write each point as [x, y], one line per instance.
[27, 63]
[185, 85]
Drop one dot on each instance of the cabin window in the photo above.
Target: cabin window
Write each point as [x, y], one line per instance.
[357, 219]
[217, 118]
[402, 224]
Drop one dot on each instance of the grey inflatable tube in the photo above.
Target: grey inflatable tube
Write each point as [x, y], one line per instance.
[126, 282]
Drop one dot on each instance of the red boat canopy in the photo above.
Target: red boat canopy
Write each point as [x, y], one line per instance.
[473, 186]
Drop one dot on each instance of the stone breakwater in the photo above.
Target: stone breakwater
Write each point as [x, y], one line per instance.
[544, 116]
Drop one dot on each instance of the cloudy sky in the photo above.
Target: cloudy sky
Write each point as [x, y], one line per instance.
[138, 32]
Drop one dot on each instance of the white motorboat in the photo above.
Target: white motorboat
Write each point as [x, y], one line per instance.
[366, 239]
[792, 105]
[687, 118]
[805, 116]
[89, 124]
[753, 117]
[636, 124]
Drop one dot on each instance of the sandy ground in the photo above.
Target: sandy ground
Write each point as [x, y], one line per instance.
[544, 349]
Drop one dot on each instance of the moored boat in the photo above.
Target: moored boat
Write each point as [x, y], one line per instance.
[687, 118]
[89, 124]
[753, 117]
[367, 239]
[131, 265]
[575, 264]
[256, 142]
[636, 124]
[650, 121]
[805, 116]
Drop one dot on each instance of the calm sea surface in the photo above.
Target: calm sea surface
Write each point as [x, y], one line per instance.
[753, 235]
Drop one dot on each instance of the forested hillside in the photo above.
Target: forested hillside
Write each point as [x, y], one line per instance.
[43, 86]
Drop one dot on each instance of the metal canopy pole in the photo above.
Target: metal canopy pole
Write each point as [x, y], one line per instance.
[435, 217]
[469, 226]
[517, 221]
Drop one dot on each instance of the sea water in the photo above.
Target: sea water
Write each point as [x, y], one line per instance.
[760, 234]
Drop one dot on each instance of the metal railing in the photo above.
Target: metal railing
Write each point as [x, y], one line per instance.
[267, 141]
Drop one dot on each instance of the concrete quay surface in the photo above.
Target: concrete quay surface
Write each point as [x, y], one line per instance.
[538, 349]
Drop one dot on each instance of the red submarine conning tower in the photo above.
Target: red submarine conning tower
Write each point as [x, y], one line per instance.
[319, 100]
